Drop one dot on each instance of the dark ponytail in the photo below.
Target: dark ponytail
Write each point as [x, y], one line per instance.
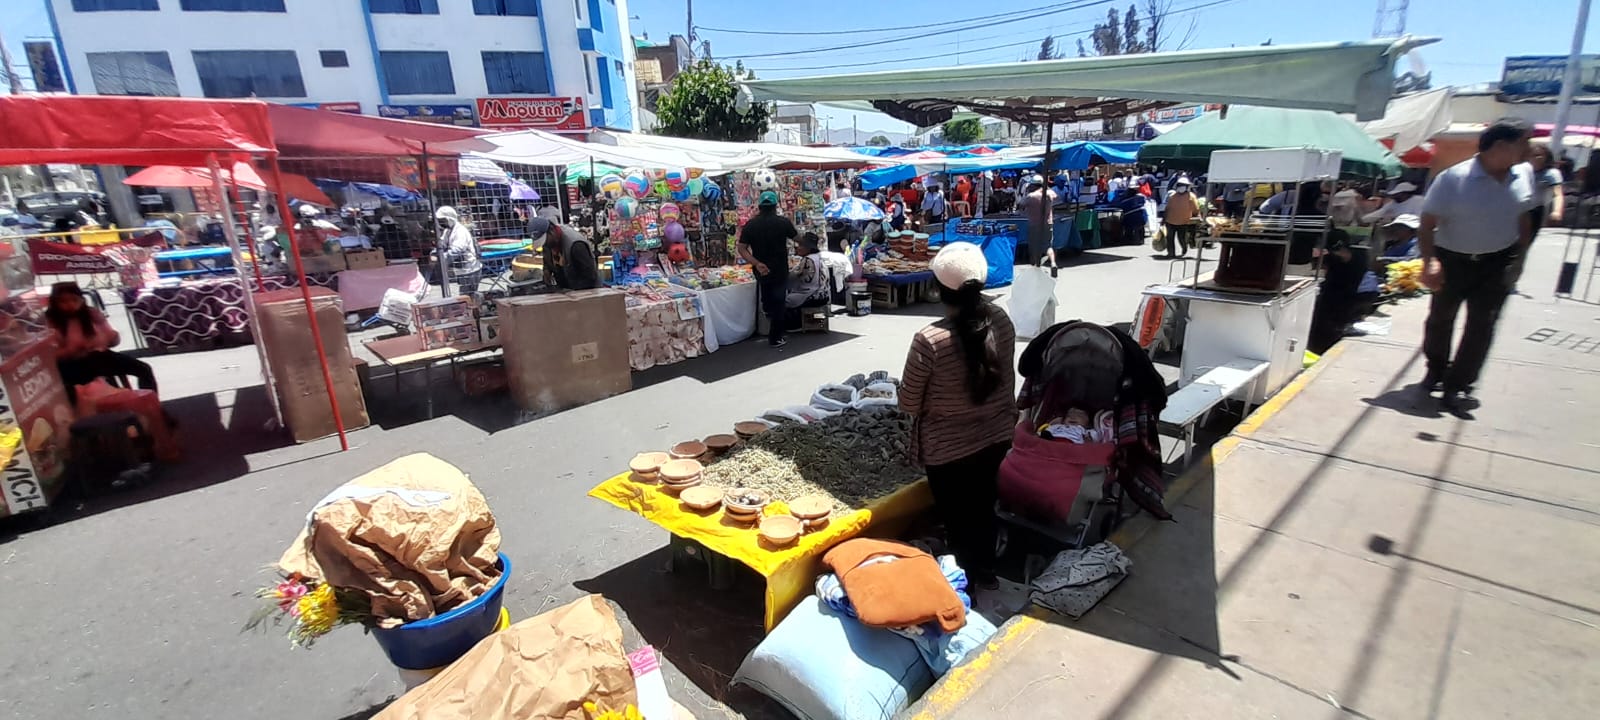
[972, 329]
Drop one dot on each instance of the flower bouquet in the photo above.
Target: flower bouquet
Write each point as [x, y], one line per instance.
[312, 609]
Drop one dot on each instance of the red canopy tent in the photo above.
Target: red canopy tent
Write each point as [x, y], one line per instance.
[296, 186]
[107, 130]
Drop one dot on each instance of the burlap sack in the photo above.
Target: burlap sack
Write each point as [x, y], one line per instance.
[415, 534]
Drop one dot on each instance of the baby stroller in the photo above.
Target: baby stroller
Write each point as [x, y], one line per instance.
[1091, 399]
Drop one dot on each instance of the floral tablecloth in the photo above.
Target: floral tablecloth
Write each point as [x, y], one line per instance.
[665, 332]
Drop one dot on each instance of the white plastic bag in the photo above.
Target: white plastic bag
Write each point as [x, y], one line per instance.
[819, 400]
[881, 391]
[1033, 301]
[777, 417]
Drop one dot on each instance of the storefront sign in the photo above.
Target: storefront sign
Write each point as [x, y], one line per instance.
[1172, 114]
[35, 420]
[353, 108]
[441, 114]
[1531, 77]
[555, 114]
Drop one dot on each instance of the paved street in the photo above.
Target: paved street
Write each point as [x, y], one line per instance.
[1357, 554]
[131, 606]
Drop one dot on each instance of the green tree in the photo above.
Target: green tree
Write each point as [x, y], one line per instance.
[878, 140]
[703, 104]
[962, 132]
[1047, 49]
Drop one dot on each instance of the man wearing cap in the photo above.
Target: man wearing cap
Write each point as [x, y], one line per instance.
[1474, 232]
[1403, 200]
[457, 247]
[1038, 204]
[1400, 239]
[568, 255]
[764, 243]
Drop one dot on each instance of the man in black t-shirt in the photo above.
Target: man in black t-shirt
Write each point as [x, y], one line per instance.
[764, 243]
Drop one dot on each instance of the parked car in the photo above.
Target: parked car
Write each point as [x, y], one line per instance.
[53, 205]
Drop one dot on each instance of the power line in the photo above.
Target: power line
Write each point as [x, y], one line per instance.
[808, 51]
[1202, 6]
[738, 31]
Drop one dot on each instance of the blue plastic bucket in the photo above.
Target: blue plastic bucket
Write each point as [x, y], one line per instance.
[441, 639]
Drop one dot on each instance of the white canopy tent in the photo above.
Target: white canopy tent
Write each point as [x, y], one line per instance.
[777, 155]
[536, 147]
[1412, 119]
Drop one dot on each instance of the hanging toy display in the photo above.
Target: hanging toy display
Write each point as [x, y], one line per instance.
[655, 174]
[678, 253]
[610, 185]
[636, 184]
[670, 212]
[681, 195]
[677, 178]
[764, 180]
[694, 173]
[695, 187]
[660, 189]
[672, 232]
[627, 208]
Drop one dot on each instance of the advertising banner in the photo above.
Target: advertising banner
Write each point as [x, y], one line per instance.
[1539, 76]
[460, 115]
[552, 114]
[54, 258]
[35, 420]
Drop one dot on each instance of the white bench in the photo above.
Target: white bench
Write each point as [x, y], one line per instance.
[1190, 403]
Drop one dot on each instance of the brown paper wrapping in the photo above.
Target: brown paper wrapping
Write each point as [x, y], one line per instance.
[542, 668]
[415, 560]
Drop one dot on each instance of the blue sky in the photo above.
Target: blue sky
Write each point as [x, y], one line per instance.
[1477, 34]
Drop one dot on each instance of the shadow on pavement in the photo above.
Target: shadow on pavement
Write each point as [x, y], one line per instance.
[703, 633]
[1090, 257]
[740, 358]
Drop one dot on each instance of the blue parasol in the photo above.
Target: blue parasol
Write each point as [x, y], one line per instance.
[852, 208]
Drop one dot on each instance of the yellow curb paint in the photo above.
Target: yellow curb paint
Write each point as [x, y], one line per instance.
[958, 684]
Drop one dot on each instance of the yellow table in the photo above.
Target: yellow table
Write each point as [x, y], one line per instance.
[789, 572]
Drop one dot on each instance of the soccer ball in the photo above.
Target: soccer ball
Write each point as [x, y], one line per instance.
[611, 186]
[764, 180]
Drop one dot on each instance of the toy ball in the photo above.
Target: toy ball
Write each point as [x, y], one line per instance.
[672, 232]
[678, 253]
[610, 186]
[670, 212]
[627, 208]
[655, 174]
[765, 180]
[681, 195]
[695, 187]
[713, 191]
[694, 173]
[636, 184]
[660, 189]
[676, 178]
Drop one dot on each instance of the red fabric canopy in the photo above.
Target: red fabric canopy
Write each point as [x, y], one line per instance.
[106, 130]
[303, 133]
[298, 187]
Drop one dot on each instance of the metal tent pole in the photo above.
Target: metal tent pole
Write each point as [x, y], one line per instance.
[244, 285]
[305, 294]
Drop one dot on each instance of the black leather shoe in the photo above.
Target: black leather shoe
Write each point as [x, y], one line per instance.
[1457, 402]
[1433, 381]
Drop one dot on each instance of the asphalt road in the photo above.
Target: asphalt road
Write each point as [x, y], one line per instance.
[131, 606]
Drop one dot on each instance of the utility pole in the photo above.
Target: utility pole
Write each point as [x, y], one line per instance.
[1569, 81]
[855, 130]
[13, 80]
[1391, 19]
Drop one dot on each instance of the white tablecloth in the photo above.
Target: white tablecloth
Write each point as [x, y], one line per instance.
[363, 289]
[730, 314]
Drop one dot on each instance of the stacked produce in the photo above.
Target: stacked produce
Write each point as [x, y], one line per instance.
[893, 263]
[1404, 278]
[853, 457]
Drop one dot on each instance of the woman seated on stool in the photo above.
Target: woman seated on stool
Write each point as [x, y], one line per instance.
[84, 339]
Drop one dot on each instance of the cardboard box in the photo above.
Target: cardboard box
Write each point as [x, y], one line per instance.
[285, 335]
[315, 264]
[566, 349]
[445, 311]
[365, 259]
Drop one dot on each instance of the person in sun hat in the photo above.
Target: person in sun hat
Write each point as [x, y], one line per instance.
[1403, 200]
[457, 247]
[959, 387]
[764, 243]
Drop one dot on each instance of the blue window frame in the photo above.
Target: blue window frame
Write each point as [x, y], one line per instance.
[405, 7]
[133, 73]
[233, 5]
[605, 82]
[516, 72]
[415, 72]
[526, 8]
[249, 73]
[101, 5]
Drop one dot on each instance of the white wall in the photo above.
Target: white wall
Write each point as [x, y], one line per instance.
[1486, 109]
[457, 30]
[337, 25]
[561, 25]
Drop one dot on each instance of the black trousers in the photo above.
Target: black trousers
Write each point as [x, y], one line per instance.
[1181, 237]
[774, 291]
[964, 495]
[1480, 282]
[103, 364]
[1536, 217]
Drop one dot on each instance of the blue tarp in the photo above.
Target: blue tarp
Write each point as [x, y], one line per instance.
[1079, 155]
[874, 179]
[1000, 250]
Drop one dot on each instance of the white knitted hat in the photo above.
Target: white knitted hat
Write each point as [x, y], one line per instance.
[959, 262]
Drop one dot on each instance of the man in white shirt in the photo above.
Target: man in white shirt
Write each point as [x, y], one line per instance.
[1475, 232]
[457, 248]
[1403, 200]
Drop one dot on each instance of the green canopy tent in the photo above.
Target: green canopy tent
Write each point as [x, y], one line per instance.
[1189, 146]
[581, 171]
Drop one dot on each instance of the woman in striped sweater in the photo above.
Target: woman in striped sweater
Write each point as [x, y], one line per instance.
[959, 386]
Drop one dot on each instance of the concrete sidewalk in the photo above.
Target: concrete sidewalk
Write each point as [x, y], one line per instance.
[1351, 552]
